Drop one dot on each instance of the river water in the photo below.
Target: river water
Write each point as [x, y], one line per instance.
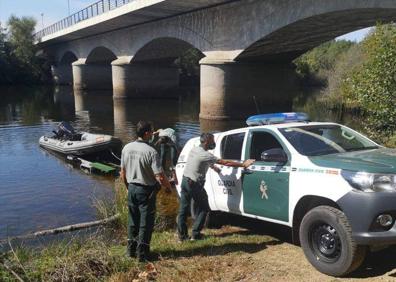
[39, 190]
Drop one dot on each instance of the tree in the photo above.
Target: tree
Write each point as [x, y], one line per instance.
[21, 38]
[372, 85]
[317, 64]
[18, 61]
[4, 64]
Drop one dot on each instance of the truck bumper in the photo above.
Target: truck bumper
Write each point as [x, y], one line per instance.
[362, 210]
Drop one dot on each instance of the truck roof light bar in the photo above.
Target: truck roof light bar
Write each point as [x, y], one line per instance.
[276, 118]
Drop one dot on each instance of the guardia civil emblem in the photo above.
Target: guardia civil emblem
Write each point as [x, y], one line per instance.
[263, 190]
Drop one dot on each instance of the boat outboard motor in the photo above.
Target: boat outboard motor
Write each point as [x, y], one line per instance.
[65, 131]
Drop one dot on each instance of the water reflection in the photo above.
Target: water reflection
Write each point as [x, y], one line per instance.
[308, 101]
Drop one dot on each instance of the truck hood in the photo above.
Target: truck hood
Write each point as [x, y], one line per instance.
[382, 160]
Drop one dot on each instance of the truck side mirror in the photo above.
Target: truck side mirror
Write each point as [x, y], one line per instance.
[274, 155]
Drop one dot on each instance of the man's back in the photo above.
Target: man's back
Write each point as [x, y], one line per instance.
[198, 162]
[141, 163]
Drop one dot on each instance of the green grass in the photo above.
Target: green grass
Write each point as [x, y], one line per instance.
[101, 257]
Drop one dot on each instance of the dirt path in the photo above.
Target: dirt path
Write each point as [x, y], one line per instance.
[270, 260]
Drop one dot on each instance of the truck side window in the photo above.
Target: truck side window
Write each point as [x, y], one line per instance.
[262, 141]
[231, 146]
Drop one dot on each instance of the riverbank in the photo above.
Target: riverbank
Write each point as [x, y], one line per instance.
[249, 251]
[226, 254]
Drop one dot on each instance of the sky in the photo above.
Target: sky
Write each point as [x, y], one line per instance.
[52, 10]
[47, 12]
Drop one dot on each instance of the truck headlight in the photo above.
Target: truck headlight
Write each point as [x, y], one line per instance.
[370, 182]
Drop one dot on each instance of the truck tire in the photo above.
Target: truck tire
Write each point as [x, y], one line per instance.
[326, 239]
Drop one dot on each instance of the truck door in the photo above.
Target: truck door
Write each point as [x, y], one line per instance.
[265, 185]
[227, 184]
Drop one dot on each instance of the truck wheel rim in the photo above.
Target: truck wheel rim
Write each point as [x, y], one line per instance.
[325, 242]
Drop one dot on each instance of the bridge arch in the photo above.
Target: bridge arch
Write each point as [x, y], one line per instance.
[100, 56]
[68, 58]
[156, 69]
[94, 72]
[62, 72]
[310, 24]
[165, 49]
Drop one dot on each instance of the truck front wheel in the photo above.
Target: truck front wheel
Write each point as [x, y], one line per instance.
[326, 239]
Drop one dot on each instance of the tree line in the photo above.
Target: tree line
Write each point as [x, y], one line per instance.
[359, 77]
[20, 62]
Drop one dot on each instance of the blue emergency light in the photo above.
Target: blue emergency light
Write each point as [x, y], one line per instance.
[276, 118]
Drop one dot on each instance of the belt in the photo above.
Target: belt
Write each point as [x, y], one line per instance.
[199, 181]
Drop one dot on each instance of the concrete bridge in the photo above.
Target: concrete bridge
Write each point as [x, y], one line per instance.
[247, 45]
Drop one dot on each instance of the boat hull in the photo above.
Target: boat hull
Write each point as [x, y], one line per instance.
[96, 143]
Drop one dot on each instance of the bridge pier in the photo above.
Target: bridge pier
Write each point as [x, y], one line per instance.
[62, 74]
[143, 80]
[91, 76]
[235, 90]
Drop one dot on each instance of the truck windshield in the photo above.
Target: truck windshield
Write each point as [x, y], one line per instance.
[319, 140]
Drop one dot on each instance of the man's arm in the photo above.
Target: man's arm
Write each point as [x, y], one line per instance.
[123, 177]
[163, 180]
[245, 164]
[215, 168]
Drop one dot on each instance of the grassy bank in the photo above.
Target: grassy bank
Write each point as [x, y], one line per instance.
[102, 257]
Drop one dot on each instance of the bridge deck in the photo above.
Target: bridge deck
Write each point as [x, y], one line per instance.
[134, 12]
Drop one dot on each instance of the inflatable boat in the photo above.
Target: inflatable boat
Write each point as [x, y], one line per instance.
[66, 141]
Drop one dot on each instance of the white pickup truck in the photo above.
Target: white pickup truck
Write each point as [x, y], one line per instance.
[334, 187]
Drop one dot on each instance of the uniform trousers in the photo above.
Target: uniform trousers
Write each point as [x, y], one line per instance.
[192, 190]
[141, 216]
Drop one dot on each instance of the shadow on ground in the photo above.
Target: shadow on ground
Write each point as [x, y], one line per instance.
[378, 264]
[219, 250]
[257, 227]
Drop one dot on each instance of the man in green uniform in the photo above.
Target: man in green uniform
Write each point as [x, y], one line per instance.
[142, 173]
[192, 187]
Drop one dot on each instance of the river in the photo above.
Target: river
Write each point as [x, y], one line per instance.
[39, 190]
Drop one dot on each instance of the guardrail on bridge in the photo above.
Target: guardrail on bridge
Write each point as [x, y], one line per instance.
[91, 11]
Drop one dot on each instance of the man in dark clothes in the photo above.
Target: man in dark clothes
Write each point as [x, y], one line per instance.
[142, 173]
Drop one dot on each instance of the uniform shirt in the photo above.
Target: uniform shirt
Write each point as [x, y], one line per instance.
[198, 163]
[141, 162]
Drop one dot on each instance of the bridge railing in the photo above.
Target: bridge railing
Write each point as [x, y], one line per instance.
[91, 11]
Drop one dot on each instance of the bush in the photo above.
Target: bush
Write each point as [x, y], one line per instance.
[372, 85]
[316, 65]
[347, 62]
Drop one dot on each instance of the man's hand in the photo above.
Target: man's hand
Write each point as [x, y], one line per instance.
[248, 163]
[163, 180]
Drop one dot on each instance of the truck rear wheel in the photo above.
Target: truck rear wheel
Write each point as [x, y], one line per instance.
[326, 239]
